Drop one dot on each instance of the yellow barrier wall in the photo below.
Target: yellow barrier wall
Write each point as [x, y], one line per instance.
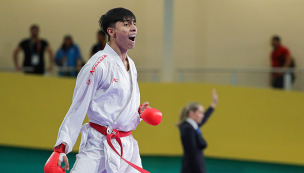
[251, 124]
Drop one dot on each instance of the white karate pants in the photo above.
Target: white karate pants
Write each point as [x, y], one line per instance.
[96, 156]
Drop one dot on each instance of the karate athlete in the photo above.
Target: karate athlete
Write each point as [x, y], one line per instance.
[107, 91]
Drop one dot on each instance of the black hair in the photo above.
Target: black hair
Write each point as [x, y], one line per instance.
[114, 15]
[100, 32]
[63, 47]
[34, 26]
[276, 38]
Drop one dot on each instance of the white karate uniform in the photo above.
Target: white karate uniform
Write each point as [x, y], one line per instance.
[109, 95]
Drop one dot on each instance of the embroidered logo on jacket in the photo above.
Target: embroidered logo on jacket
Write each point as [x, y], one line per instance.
[97, 62]
[89, 81]
[115, 80]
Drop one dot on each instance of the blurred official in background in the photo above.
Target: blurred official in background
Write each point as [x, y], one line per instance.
[192, 117]
[33, 49]
[280, 57]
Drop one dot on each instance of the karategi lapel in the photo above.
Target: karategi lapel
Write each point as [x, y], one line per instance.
[117, 59]
[122, 67]
[131, 68]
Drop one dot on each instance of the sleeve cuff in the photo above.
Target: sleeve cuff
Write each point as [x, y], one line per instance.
[60, 148]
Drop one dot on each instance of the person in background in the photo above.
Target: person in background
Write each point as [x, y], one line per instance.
[192, 117]
[33, 49]
[280, 58]
[101, 42]
[68, 57]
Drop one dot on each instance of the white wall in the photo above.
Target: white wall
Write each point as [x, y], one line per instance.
[206, 33]
[80, 19]
[236, 33]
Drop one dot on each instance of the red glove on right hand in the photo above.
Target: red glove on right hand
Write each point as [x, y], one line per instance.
[60, 148]
[51, 164]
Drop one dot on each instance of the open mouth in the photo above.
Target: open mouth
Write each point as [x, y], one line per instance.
[132, 38]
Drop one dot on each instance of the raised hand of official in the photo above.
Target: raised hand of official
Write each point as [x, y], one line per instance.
[214, 98]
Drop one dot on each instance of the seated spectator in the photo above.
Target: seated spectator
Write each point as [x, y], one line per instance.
[280, 58]
[33, 49]
[101, 42]
[68, 58]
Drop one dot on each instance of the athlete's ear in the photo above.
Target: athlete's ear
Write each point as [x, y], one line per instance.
[111, 32]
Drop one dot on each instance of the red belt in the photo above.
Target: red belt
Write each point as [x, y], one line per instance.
[116, 134]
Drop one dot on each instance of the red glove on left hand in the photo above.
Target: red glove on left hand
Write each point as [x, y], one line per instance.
[152, 116]
[139, 111]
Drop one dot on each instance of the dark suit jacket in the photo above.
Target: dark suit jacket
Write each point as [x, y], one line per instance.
[193, 145]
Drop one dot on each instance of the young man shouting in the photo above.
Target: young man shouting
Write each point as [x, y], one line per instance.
[107, 91]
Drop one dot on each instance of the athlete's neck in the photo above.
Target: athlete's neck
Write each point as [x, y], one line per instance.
[121, 53]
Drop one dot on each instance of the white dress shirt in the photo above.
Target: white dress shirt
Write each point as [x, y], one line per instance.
[193, 123]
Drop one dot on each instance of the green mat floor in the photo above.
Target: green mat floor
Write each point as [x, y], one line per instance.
[19, 160]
